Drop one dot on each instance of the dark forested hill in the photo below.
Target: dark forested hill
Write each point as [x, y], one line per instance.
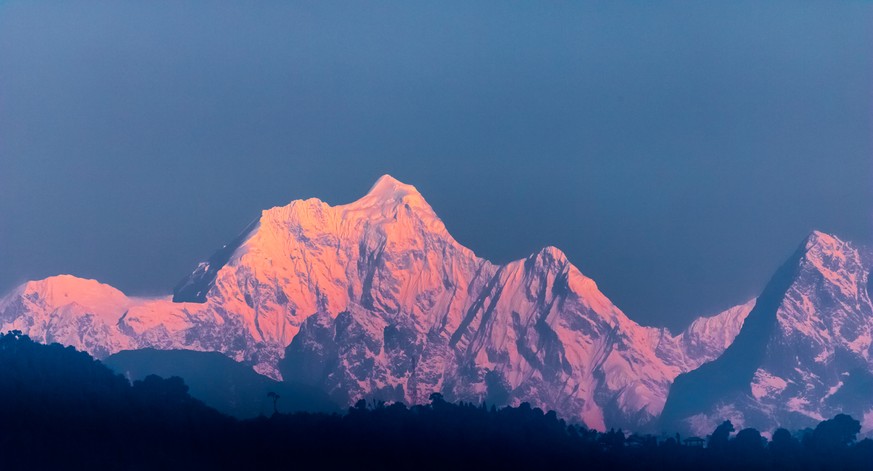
[61, 409]
[228, 386]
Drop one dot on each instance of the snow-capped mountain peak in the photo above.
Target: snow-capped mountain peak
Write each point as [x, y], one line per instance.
[835, 260]
[65, 290]
[803, 354]
[817, 237]
[389, 191]
[374, 299]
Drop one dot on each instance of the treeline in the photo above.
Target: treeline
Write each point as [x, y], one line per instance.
[443, 435]
[60, 408]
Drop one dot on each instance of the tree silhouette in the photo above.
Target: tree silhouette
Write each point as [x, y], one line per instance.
[719, 438]
[837, 433]
[784, 448]
[275, 397]
[749, 440]
[63, 401]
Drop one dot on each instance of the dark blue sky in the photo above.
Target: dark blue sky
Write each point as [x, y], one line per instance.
[677, 152]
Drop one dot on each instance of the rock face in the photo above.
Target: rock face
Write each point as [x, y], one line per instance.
[803, 355]
[374, 299]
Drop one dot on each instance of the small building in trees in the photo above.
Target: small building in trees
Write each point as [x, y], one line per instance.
[695, 442]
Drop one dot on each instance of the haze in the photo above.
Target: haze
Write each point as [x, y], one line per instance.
[678, 152]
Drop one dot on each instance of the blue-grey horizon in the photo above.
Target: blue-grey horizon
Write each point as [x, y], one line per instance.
[676, 152]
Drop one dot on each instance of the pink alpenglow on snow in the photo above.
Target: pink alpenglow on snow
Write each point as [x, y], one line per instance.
[375, 299]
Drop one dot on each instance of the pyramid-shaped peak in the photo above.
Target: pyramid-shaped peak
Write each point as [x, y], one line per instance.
[822, 240]
[817, 236]
[388, 192]
[840, 264]
[388, 187]
[552, 252]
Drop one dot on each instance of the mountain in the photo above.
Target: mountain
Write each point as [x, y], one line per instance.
[221, 383]
[705, 339]
[375, 299]
[803, 354]
[68, 310]
[99, 319]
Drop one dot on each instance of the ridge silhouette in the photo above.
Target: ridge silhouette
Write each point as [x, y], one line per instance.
[62, 408]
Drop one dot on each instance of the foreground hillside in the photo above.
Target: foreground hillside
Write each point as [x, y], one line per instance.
[221, 383]
[65, 410]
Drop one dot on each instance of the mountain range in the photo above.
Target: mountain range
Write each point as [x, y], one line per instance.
[376, 300]
[804, 354]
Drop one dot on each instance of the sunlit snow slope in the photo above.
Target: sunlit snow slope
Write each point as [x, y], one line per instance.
[389, 306]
